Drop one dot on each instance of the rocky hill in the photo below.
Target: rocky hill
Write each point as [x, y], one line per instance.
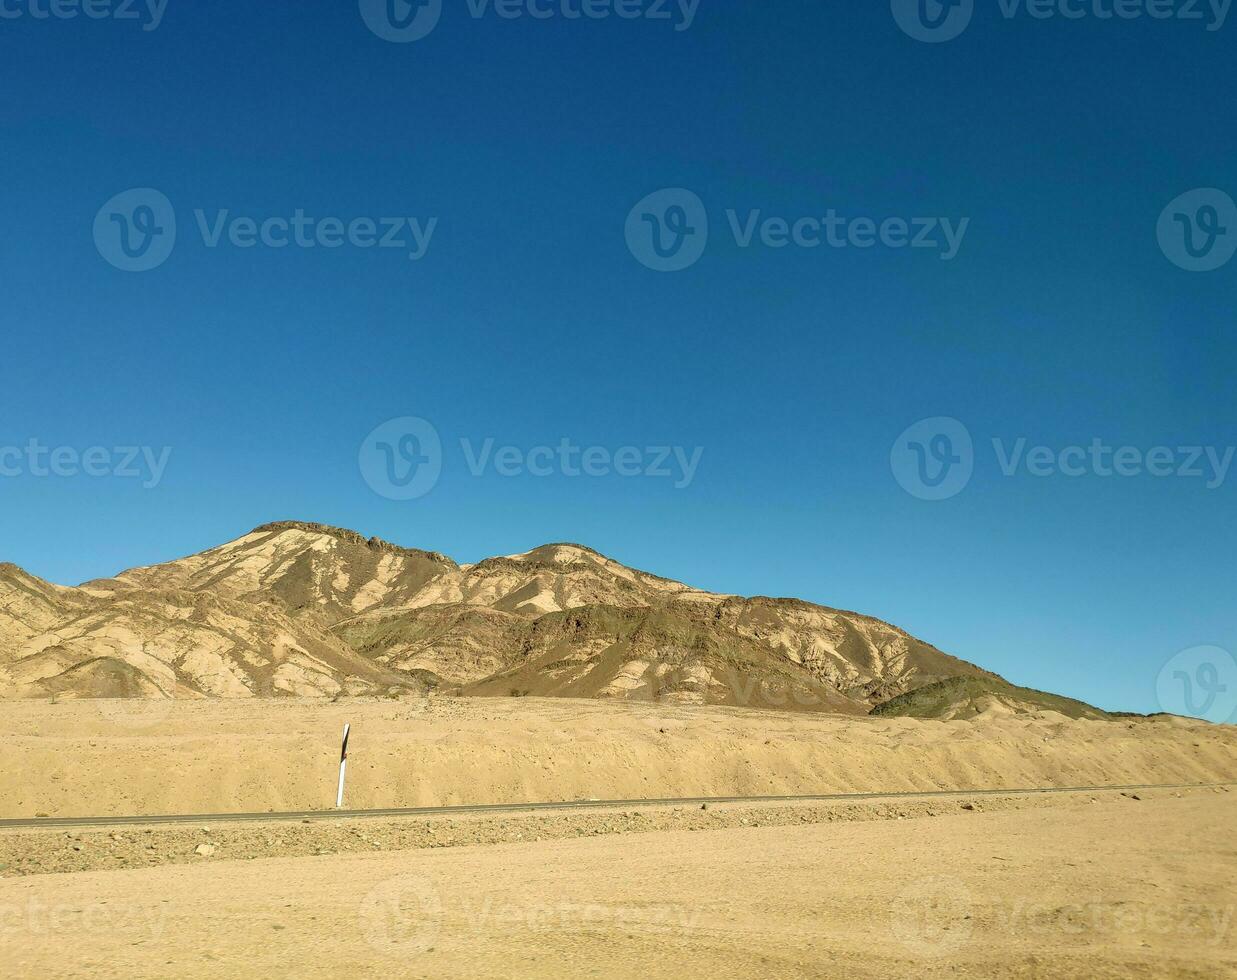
[294, 608]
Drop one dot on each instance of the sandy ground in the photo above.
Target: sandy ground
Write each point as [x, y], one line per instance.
[88, 758]
[1041, 892]
[48, 850]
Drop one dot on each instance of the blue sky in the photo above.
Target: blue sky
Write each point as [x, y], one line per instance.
[524, 143]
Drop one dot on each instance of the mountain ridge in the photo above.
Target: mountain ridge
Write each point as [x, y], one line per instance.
[310, 609]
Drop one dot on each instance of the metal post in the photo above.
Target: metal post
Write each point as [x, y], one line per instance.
[343, 766]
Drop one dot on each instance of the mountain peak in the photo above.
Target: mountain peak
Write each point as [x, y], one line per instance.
[15, 574]
[306, 608]
[351, 537]
[561, 552]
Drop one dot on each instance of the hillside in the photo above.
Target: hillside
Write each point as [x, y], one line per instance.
[295, 608]
[970, 697]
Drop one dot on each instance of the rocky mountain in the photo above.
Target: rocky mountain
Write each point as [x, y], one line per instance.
[970, 697]
[294, 608]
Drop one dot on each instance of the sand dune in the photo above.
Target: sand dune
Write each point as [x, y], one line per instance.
[118, 757]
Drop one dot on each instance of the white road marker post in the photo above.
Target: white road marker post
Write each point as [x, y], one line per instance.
[343, 767]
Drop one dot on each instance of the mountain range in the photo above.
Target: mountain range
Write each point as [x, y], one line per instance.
[301, 609]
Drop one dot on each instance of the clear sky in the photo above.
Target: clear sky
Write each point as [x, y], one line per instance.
[520, 146]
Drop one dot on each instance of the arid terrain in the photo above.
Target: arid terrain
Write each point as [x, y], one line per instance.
[1007, 884]
[299, 609]
[1036, 887]
[1054, 839]
[117, 757]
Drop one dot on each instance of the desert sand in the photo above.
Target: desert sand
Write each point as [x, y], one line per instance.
[89, 758]
[1043, 892]
[1102, 883]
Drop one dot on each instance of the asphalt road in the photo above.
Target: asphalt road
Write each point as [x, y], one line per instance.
[216, 818]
